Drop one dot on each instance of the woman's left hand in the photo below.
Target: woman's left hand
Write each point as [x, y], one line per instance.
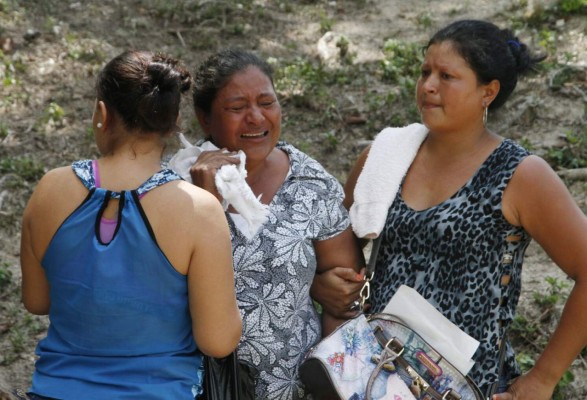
[527, 387]
[336, 289]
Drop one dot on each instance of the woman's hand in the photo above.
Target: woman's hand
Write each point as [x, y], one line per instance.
[527, 387]
[337, 289]
[203, 172]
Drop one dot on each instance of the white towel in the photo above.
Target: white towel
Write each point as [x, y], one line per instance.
[389, 158]
[230, 182]
[447, 338]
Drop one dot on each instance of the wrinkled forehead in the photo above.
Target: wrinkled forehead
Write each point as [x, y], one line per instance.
[249, 82]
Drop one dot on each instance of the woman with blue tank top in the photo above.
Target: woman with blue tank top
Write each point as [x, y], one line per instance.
[132, 264]
[468, 206]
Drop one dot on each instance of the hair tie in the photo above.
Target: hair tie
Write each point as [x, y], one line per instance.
[515, 43]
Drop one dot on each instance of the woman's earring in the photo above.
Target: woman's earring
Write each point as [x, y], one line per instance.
[99, 124]
[485, 115]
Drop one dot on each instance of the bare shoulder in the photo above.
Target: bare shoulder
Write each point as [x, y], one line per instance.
[191, 203]
[195, 197]
[534, 189]
[57, 176]
[56, 185]
[534, 177]
[532, 167]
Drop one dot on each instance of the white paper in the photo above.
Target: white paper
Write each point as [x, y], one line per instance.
[447, 338]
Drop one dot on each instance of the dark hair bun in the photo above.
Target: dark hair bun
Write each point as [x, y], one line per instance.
[144, 89]
[525, 62]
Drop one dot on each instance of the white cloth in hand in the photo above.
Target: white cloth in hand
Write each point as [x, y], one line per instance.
[230, 182]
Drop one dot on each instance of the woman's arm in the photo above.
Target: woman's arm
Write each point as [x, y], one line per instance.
[336, 288]
[341, 252]
[538, 200]
[56, 196]
[216, 319]
[35, 287]
[349, 187]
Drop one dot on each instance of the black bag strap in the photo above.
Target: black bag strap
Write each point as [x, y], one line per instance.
[365, 292]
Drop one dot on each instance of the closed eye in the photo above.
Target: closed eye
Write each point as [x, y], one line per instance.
[267, 103]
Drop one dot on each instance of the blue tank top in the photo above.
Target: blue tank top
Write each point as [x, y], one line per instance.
[120, 326]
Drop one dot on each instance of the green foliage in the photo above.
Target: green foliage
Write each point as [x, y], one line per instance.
[573, 6]
[85, 54]
[331, 140]
[526, 143]
[573, 155]
[543, 15]
[343, 46]
[424, 20]
[562, 74]
[27, 169]
[523, 330]
[3, 130]
[553, 296]
[5, 276]
[525, 361]
[326, 23]
[401, 68]
[22, 326]
[54, 112]
[9, 69]
[548, 40]
[530, 332]
[401, 65]
[305, 82]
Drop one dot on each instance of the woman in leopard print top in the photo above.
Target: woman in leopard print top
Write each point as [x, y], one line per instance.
[469, 205]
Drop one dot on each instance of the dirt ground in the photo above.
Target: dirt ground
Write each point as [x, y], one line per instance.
[335, 96]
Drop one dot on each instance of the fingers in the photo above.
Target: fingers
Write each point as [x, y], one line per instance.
[204, 170]
[213, 160]
[348, 274]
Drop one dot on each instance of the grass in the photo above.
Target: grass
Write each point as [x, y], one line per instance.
[530, 333]
[24, 167]
[19, 327]
[571, 155]
[5, 276]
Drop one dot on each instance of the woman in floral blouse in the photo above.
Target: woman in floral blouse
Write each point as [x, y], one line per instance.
[307, 230]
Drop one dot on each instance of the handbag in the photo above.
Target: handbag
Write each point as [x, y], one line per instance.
[379, 357]
[227, 379]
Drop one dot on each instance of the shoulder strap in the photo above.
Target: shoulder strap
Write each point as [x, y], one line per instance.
[158, 179]
[365, 292]
[84, 171]
[370, 269]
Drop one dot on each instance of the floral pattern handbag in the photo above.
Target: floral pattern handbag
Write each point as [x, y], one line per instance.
[341, 365]
[378, 357]
[372, 357]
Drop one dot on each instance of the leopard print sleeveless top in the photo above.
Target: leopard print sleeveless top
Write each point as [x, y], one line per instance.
[464, 257]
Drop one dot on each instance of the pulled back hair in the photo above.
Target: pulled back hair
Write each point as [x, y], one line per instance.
[213, 74]
[144, 90]
[491, 52]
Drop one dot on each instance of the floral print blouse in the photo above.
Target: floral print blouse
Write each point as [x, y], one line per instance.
[274, 271]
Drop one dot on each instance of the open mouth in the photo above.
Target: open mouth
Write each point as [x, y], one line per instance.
[254, 135]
